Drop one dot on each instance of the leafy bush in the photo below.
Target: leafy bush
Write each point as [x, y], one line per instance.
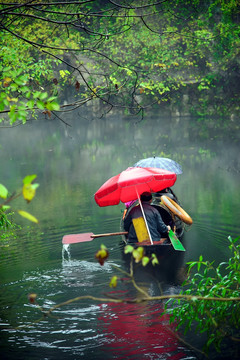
[211, 301]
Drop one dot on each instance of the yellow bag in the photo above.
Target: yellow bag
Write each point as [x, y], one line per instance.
[141, 229]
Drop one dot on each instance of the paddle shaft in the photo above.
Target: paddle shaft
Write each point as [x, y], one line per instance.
[109, 234]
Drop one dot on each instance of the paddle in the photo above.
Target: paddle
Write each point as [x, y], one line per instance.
[176, 243]
[76, 238]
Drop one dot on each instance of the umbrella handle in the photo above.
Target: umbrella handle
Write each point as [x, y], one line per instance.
[140, 203]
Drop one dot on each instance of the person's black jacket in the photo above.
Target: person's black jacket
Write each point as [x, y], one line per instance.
[156, 225]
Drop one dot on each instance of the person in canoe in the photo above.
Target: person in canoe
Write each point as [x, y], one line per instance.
[158, 229]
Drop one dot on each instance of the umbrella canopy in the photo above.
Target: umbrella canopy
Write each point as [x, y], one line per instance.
[131, 183]
[160, 163]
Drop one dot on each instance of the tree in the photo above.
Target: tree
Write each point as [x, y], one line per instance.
[125, 54]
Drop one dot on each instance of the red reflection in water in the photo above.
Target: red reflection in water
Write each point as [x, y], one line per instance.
[135, 330]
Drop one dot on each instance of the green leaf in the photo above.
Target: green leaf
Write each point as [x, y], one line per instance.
[51, 98]
[138, 254]
[30, 104]
[128, 249]
[29, 178]
[113, 281]
[6, 207]
[198, 266]
[43, 95]
[24, 89]
[36, 94]
[145, 260]
[22, 114]
[28, 216]
[35, 186]
[52, 106]
[13, 117]
[154, 260]
[40, 104]
[3, 191]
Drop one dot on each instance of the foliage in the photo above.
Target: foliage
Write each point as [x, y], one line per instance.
[5, 221]
[28, 192]
[175, 51]
[132, 56]
[23, 81]
[220, 321]
[139, 256]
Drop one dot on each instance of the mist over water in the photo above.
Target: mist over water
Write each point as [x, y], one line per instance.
[71, 163]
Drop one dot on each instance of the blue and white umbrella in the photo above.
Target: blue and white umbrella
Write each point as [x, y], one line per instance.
[161, 163]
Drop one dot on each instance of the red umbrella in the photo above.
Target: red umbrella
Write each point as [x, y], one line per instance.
[131, 183]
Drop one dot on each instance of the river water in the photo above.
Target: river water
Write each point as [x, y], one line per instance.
[71, 163]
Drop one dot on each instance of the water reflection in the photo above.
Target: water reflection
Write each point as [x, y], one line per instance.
[137, 331]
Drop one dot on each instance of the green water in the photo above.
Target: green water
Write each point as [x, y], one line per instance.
[71, 163]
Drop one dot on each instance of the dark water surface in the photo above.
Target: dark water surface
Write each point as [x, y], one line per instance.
[71, 163]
